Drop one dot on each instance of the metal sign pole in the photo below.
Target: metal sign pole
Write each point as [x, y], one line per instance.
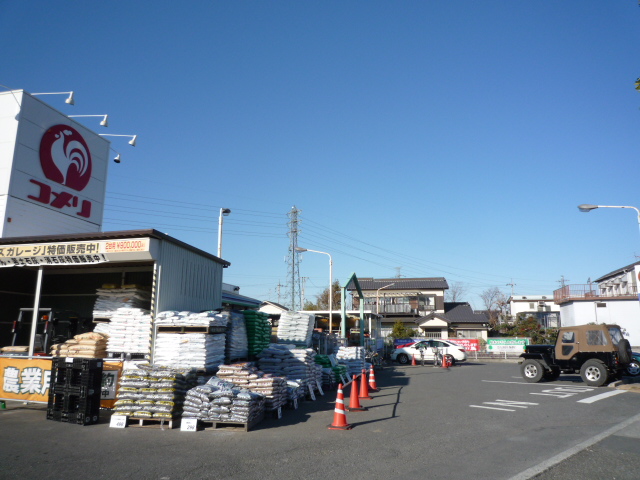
[36, 312]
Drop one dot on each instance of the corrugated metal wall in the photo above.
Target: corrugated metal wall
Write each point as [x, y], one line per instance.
[186, 280]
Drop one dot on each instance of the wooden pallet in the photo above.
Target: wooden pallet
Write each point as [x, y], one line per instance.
[141, 422]
[232, 426]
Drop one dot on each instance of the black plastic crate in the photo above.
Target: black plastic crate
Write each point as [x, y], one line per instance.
[80, 391]
[78, 404]
[55, 415]
[56, 401]
[69, 377]
[84, 364]
[85, 419]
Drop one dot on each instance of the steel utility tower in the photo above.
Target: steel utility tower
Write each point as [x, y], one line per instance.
[293, 262]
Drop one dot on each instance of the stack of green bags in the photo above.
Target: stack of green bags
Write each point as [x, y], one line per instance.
[331, 374]
[258, 331]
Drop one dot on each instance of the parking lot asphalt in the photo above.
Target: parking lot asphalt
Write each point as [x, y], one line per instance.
[420, 424]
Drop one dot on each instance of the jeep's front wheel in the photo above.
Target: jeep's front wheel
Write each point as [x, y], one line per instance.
[532, 371]
[594, 373]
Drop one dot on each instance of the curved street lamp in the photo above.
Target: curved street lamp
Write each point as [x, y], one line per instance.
[223, 213]
[300, 249]
[586, 207]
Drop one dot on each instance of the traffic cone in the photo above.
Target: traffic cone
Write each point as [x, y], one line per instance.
[354, 401]
[413, 360]
[364, 387]
[372, 381]
[445, 361]
[339, 416]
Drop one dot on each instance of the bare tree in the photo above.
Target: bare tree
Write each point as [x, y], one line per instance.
[495, 301]
[456, 292]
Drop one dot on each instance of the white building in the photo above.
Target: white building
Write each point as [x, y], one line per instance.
[612, 298]
[541, 307]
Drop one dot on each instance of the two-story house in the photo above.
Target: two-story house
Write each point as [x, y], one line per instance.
[541, 307]
[419, 304]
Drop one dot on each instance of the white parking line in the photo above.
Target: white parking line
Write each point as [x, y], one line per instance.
[541, 467]
[602, 396]
[492, 408]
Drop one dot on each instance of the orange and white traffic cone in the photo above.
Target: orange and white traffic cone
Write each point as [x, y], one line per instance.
[354, 401]
[413, 360]
[339, 415]
[372, 381]
[364, 387]
[445, 361]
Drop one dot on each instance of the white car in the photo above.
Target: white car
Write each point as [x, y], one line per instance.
[404, 354]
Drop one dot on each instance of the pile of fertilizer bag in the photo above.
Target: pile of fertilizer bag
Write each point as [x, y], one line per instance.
[258, 331]
[296, 328]
[237, 343]
[245, 375]
[352, 358]
[202, 351]
[152, 392]
[221, 401]
[294, 363]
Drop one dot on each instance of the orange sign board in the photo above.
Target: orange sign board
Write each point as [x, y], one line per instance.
[28, 380]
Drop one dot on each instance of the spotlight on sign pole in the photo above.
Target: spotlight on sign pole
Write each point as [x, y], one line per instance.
[69, 100]
[131, 142]
[103, 123]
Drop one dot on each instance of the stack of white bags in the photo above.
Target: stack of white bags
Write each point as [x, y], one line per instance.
[111, 299]
[202, 351]
[129, 331]
[296, 328]
[294, 363]
[191, 319]
[353, 358]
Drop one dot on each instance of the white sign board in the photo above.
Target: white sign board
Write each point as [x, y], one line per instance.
[53, 170]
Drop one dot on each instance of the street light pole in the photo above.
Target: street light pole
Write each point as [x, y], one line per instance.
[585, 207]
[300, 249]
[378, 305]
[223, 213]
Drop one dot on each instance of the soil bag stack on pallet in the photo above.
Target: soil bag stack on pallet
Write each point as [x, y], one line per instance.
[212, 319]
[258, 331]
[153, 392]
[74, 391]
[85, 345]
[111, 298]
[352, 358]
[294, 363]
[296, 328]
[202, 351]
[219, 401]
[245, 375]
[130, 333]
[190, 340]
[237, 343]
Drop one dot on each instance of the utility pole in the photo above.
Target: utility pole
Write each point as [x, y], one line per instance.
[511, 285]
[562, 281]
[293, 262]
[303, 280]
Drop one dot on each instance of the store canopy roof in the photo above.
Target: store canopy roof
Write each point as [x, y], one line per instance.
[71, 237]
[240, 300]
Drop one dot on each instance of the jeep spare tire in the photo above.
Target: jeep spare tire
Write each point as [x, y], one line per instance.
[594, 373]
[532, 371]
[624, 351]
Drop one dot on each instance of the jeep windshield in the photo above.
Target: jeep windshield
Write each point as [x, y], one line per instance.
[616, 335]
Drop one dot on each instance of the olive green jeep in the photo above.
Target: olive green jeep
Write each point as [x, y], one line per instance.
[598, 352]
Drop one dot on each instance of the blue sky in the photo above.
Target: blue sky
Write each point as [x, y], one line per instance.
[420, 138]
